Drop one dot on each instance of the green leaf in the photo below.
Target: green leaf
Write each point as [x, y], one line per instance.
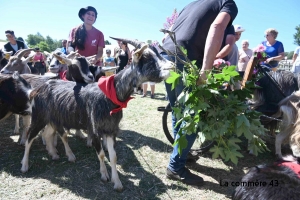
[173, 79]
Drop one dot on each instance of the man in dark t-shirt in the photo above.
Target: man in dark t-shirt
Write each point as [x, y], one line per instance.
[13, 44]
[200, 29]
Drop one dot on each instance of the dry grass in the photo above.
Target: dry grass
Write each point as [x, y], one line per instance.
[143, 154]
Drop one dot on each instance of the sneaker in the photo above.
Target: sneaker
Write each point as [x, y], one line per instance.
[144, 95]
[185, 176]
[152, 96]
[140, 92]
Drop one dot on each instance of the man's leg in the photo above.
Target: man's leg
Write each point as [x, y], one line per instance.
[176, 168]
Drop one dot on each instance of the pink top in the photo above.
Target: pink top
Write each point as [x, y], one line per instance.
[95, 39]
[38, 57]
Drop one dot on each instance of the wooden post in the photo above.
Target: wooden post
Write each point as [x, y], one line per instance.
[249, 70]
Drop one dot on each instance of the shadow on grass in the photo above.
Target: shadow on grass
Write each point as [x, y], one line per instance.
[82, 178]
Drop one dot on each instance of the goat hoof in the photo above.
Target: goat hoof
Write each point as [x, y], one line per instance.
[279, 156]
[89, 143]
[24, 168]
[22, 142]
[55, 157]
[71, 158]
[118, 187]
[104, 177]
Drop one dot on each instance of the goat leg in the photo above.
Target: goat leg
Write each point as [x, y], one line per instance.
[100, 153]
[113, 164]
[278, 142]
[26, 124]
[48, 135]
[69, 153]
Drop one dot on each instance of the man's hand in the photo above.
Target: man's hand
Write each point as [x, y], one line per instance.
[202, 78]
[269, 60]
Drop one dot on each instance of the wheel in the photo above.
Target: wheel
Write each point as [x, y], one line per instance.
[203, 147]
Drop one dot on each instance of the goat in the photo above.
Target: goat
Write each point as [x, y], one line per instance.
[266, 99]
[77, 70]
[4, 57]
[289, 112]
[18, 63]
[87, 106]
[15, 96]
[280, 180]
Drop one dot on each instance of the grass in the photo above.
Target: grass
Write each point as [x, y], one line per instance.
[143, 154]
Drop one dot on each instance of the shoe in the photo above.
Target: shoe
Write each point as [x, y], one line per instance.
[140, 92]
[152, 96]
[192, 157]
[185, 176]
[144, 95]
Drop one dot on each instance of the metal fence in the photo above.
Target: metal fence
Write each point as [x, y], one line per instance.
[285, 65]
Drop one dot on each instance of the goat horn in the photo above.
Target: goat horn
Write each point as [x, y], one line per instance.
[22, 52]
[134, 43]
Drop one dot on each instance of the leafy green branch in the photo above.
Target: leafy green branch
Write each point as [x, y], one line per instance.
[214, 113]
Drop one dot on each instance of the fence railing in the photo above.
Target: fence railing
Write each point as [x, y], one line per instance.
[284, 65]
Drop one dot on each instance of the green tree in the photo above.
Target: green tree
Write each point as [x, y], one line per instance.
[43, 46]
[33, 40]
[297, 36]
[290, 55]
[107, 42]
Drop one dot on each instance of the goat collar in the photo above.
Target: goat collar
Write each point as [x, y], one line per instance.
[106, 84]
[295, 167]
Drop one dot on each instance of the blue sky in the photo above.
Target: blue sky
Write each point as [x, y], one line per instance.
[142, 19]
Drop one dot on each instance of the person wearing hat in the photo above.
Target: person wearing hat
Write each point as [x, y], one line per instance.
[233, 56]
[86, 38]
[108, 60]
[13, 44]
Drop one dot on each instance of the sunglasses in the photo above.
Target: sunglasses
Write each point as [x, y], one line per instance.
[267, 35]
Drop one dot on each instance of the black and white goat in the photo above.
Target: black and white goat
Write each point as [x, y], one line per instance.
[18, 63]
[15, 96]
[78, 70]
[271, 102]
[86, 106]
[280, 180]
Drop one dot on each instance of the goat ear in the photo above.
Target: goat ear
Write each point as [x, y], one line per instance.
[139, 52]
[62, 60]
[29, 59]
[32, 94]
[7, 55]
[72, 54]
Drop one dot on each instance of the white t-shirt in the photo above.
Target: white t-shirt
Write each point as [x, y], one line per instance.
[15, 46]
[296, 66]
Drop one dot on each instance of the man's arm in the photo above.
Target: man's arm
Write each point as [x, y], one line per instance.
[295, 57]
[230, 41]
[214, 41]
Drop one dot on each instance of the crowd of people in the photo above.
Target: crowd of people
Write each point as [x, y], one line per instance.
[211, 36]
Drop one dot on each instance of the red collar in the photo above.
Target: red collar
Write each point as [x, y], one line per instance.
[62, 75]
[106, 84]
[293, 166]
